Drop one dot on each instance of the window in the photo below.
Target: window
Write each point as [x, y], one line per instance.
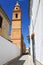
[0, 22]
[16, 15]
[16, 8]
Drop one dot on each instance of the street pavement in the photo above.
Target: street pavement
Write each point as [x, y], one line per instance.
[23, 60]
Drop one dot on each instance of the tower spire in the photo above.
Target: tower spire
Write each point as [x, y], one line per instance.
[17, 7]
[17, 4]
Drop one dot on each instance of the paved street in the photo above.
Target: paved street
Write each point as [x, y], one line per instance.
[24, 60]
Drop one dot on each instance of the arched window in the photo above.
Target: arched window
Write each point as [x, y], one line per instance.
[1, 22]
[16, 15]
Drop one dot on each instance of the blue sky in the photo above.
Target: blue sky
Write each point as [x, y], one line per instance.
[8, 6]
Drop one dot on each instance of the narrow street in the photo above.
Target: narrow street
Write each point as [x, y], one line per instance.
[24, 60]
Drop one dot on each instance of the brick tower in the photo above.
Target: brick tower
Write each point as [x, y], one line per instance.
[16, 26]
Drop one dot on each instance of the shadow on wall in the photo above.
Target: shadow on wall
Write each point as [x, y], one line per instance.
[8, 51]
[16, 62]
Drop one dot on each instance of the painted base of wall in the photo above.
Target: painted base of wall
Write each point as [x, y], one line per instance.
[13, 60]
[38, 63]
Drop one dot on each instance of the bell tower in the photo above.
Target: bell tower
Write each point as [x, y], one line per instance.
[16, 25]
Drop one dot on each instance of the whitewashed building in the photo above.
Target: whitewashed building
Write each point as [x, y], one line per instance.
[8, 51]
[36, 27]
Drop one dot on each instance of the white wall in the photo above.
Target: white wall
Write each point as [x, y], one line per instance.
[30, 37]
[41, 51]
[38, 29]
[8, 51]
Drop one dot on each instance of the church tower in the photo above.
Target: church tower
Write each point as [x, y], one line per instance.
[16, 25]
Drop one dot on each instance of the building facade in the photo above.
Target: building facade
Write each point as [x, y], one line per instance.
[16, 35]
[4, 24]
[23, 46]
[28, 37]
[36, 30]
